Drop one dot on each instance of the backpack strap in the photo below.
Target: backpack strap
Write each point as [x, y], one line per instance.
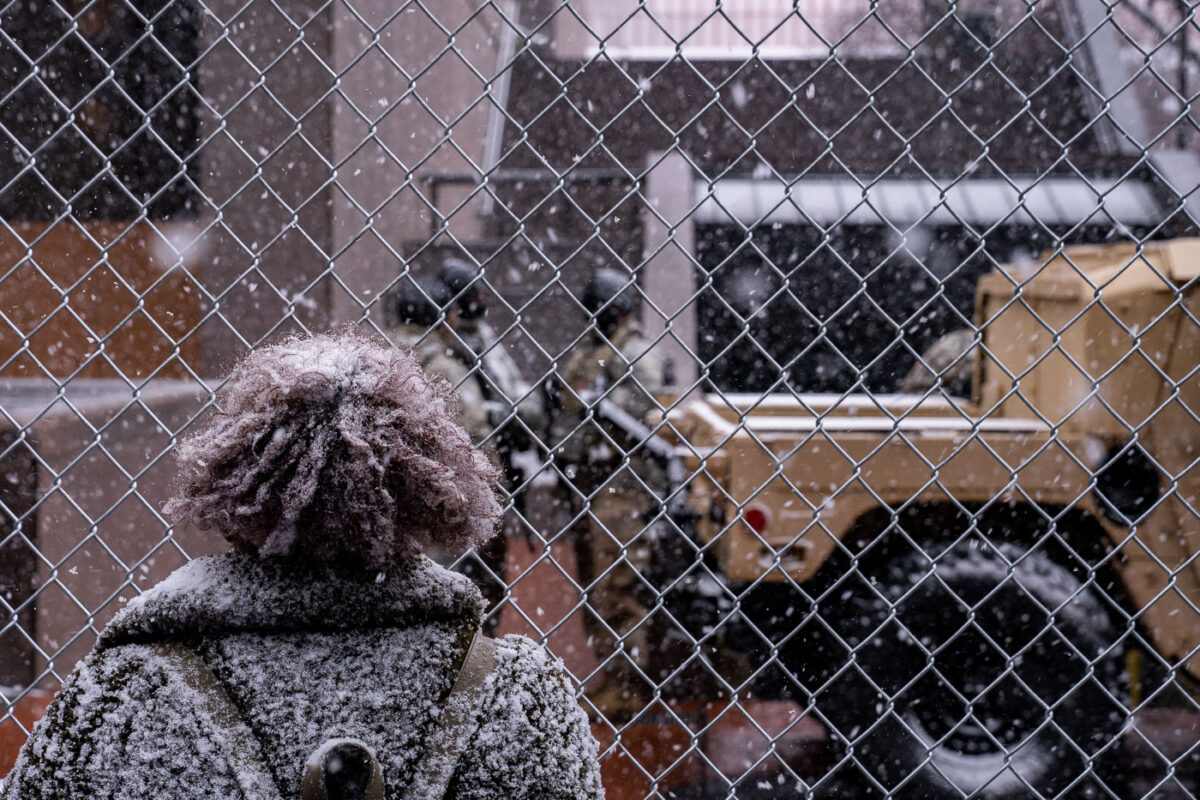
[460, 718]
[229, 729]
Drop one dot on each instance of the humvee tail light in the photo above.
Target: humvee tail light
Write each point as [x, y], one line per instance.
[756, 518]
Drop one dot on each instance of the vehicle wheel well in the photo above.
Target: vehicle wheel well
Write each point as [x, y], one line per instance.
[952, 674]
[1072, 538]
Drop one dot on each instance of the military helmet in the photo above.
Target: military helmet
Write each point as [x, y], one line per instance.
[610, 289]
[462, 279]
[458, 274]
[421, 300]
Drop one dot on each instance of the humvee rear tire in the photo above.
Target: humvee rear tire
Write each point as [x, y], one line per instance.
[997, 676]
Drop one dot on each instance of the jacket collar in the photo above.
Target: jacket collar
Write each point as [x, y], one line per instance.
[236, 593]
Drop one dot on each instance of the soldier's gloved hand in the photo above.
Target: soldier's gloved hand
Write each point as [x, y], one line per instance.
[590, 397]
[497, 412]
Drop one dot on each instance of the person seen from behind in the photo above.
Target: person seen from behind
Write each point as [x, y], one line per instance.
[324, 656]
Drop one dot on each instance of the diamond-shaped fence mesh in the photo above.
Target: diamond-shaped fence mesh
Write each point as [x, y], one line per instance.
[843, 359]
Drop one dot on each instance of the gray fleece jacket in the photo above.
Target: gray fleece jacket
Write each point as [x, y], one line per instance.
[306, 656]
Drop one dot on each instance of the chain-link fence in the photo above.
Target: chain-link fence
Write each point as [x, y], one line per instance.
[842, 358]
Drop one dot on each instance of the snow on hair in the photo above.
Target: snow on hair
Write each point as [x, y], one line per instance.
[332, 447]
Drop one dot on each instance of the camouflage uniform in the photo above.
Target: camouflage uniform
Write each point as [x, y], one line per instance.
[946, 363]
[503, 386]
[440, 354]
[612, 547]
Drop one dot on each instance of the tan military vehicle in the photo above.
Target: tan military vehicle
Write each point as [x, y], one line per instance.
[973, 595]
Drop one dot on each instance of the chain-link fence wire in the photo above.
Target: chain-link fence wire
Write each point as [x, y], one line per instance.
[892, 492]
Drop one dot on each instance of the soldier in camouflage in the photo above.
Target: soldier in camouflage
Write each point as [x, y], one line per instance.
[517, 413]
[425, 318]
[420, 326]
[614, 483]
[500, 411]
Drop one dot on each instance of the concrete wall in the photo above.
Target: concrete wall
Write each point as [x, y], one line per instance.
[323, 127]
[103, 470]
[410, 108]
[265, 171]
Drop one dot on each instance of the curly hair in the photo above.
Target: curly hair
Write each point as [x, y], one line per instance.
[333, 448]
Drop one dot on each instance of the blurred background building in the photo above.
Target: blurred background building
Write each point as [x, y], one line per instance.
[266, 166]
